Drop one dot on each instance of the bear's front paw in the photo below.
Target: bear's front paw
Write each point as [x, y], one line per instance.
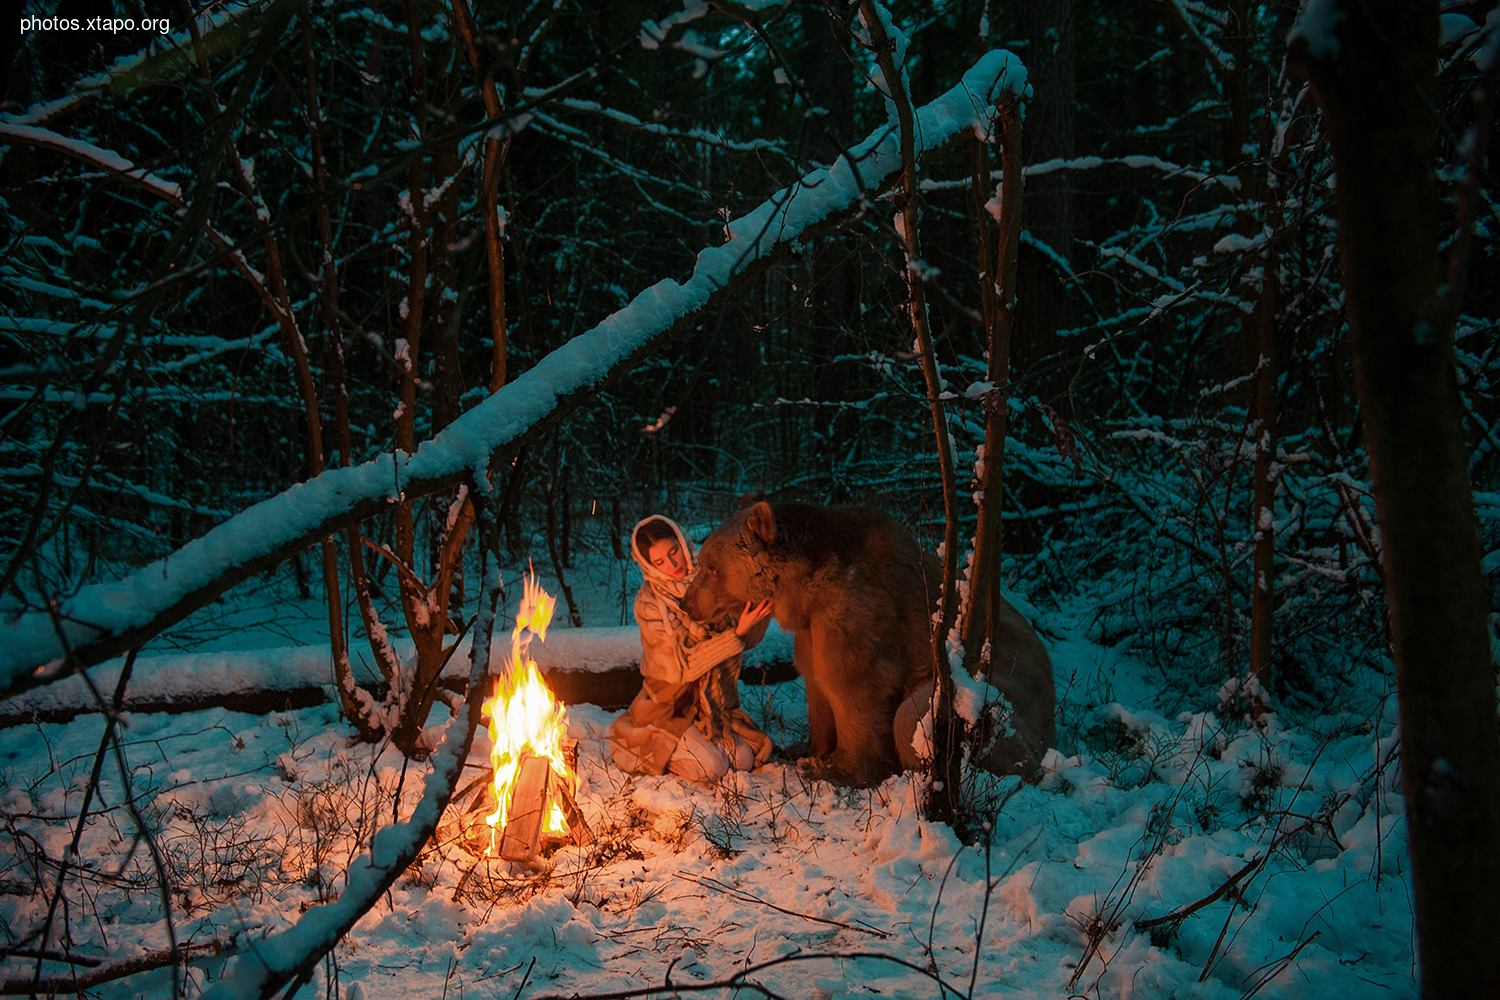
[836, 772]
[817, 769]
[854, 771]
[796, 751]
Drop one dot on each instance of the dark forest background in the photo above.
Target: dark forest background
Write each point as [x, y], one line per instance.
[1180, 340]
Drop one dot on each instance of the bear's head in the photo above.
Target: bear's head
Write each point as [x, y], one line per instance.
[732, 565]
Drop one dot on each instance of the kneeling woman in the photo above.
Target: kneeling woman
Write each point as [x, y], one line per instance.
[687, 718]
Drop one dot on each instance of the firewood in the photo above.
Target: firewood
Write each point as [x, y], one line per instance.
[528, 807]
[578, 827]
[475, 795]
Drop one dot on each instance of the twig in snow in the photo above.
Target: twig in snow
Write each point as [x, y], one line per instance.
[145, 962]
[937, 903]
[740, 980]
[83, 811]
[1277, 838]
[525, 979]
[1272, 970]
[1183, 912]
[984, 909]
[709, 882]
[1107, 917]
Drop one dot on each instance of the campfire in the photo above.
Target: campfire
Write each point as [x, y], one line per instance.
[532, 760]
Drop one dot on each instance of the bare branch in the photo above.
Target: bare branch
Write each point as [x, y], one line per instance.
[102, 620]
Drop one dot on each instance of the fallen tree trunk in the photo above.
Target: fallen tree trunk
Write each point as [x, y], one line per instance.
[104, 620]
[297, 678]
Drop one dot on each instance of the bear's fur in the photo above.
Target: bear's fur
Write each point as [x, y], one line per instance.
[858, 593]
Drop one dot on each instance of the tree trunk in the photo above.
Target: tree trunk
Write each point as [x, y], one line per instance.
[997, 297]
[1265, 415]
[1263, 445]
[941, 803]
[1374, 73]
[353, 707]
[496, 151]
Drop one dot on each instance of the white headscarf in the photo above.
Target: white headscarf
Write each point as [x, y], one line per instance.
[659, 581]
[668, 589]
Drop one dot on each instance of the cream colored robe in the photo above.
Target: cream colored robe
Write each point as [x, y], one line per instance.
[677, 659]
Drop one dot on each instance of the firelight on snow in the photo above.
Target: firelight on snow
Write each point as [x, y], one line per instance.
[525, 720]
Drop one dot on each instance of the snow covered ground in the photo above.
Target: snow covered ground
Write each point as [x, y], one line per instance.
[768, 879]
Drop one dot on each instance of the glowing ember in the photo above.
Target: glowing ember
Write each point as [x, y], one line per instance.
[524, 717]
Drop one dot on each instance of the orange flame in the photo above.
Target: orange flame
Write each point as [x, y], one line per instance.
[524, 716]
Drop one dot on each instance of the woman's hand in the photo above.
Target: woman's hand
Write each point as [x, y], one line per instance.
[752, 616]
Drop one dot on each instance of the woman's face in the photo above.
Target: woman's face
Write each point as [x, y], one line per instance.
[666, 555]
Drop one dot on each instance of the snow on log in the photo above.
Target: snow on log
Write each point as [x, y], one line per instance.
[596, 666]
[105, 619]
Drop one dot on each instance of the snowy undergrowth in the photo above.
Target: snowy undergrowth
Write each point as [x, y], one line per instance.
[846, 892]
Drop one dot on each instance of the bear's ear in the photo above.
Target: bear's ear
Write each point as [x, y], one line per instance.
[749, 499]
[761, 523]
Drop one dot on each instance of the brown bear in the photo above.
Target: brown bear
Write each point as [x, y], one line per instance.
[858, 595]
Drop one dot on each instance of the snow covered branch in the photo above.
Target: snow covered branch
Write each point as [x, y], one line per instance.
[266, 967]
[104, 619]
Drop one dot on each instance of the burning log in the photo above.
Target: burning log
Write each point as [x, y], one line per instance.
[521, 837]
[533, 763]
[571, 817]
[542, 812]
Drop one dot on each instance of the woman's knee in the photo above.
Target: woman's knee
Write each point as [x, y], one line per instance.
[696, 759]
[744, 755]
